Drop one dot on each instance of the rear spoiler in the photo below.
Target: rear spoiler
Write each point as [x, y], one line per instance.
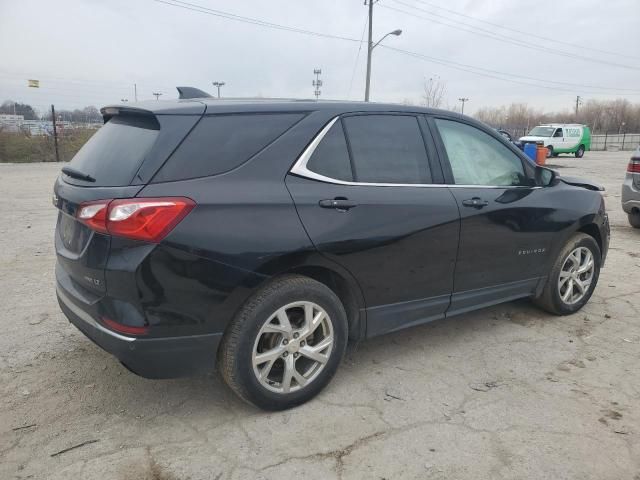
[111, 111]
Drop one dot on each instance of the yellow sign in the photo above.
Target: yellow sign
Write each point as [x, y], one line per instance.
[34, 83]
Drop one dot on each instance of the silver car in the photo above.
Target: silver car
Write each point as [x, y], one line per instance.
[631, 190]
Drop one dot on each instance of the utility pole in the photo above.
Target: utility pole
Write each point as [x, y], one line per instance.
[369, 50]
[157, 95]
[55, 132]
[578, 102]
[135, 91]
[218, 84]
[317, 83]
[463, 100]
[371, 46]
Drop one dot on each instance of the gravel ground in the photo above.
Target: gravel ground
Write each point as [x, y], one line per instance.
[506, 392]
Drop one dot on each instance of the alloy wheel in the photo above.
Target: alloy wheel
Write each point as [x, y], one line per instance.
[292, 347]
[576, 275]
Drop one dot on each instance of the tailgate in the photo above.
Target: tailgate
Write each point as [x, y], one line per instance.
[82, 253]
[115, 163]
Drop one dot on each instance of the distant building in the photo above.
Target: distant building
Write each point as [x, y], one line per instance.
[37, 127]
[11, 123]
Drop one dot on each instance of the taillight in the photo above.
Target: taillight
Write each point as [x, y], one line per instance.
[147, 219]
[122, 328]
[94, 215]
[634, 165]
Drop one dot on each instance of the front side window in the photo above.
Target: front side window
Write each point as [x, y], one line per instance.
[387, 149]
[477, 158]
[558, 133]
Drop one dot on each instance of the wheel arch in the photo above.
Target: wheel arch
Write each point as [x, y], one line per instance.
[592, 230]
[345, 289]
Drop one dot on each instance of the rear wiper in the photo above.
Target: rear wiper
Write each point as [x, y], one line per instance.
[72, 172]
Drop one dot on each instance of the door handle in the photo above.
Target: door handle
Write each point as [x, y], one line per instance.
[337, 203]
[475, 202]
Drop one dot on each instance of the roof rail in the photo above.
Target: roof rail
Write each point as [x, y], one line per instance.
[191, 92]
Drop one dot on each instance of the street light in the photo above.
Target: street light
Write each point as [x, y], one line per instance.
[372, 45]
[218, 84]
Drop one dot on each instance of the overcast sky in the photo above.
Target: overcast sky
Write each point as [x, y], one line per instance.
[93, 51]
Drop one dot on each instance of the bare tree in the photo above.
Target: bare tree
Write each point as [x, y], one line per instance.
[435, 90]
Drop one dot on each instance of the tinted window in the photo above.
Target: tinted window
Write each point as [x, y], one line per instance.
[331, 156]
[115, 152]
[222, 142]
[477, 158]
[558, 133]
[387, 149]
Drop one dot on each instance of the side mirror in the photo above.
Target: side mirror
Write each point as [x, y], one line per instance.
[545, 176]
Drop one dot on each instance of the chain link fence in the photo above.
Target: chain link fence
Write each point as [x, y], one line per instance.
[23, 146]
[616, 141]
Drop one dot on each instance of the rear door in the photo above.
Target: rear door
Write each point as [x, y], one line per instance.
[505, 229]
[369, 192]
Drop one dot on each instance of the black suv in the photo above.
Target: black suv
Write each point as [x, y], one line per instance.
[266, 233]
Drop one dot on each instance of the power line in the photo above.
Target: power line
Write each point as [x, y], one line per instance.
[528, 34]
[239, 18]
[468, 68]
[451, 64]
[515, 75]
[499, 37]
[218, 13]
[355, 64]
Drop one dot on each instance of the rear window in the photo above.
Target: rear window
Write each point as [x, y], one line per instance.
[115, 152]
[221, 143]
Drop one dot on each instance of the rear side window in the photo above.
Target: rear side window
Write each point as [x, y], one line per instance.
[387, 149]
[220, 143]
[331, 156]
[115, 152]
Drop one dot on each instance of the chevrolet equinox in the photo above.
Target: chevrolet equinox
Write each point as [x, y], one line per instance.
[264, 234]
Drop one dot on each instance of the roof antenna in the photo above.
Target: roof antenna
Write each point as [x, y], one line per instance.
[191, 92]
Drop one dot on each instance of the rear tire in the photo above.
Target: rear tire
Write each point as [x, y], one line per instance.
[580, 152]
[265, 355]
[634, 220]
[571, 283]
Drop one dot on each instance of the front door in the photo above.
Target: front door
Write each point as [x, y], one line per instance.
[505, 232]
[368, 198]
[557, 141]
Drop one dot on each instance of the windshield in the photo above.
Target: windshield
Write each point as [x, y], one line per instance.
[542, 131]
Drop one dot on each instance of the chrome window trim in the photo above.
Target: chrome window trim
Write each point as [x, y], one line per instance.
[300, 169]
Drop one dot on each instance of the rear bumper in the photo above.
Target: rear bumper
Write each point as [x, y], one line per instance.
[148, 357]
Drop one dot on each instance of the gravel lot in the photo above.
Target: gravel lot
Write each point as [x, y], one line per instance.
[506, 392]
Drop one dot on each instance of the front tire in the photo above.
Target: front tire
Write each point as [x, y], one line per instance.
[285, 344]
[634, 219]
[573, 276]
[580, 152]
